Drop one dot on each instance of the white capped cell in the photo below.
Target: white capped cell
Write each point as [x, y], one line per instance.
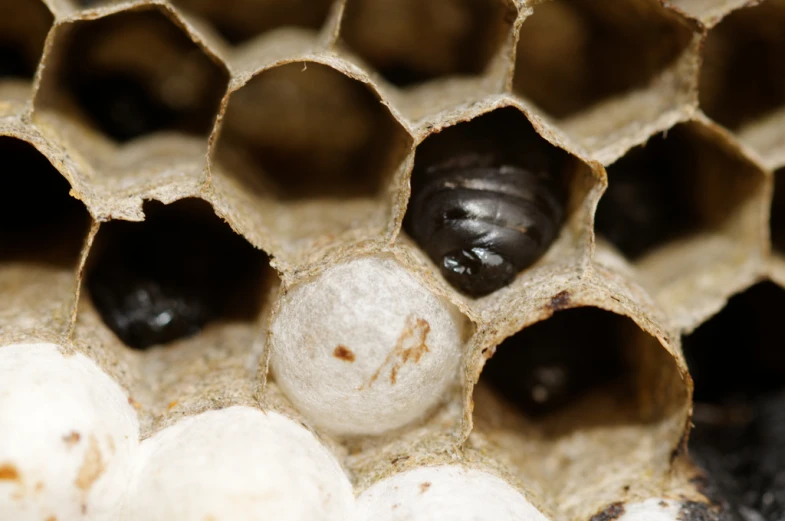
[364, 347]
[67, 436]
[237, 463]
[449, 492]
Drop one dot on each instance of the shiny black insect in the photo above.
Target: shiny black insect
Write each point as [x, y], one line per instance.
[483, 218]
[165, 278]
[544, 367]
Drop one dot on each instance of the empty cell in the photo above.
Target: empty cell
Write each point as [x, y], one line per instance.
[311, 132]
[778, 212]
[411, 42]
[24, 25]
[168, 277]
[575, 53]
[738, 366]
[489, 196]
[242, 20]
[742, 78]
[39, 221]
[679, 184]
[131, 74]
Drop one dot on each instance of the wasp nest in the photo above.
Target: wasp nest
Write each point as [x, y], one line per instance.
[392, 260]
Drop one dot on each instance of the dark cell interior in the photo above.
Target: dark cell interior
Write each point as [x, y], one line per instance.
[649, 199]
[742, 78]
[409, 41]
[550, 365]
[575, 53]
[166, 278]
[488, 199]
[39, 220]
[312, 132]
[24, 25]
[241, 20]
[778, 212]
[738, 365]
[135, 73]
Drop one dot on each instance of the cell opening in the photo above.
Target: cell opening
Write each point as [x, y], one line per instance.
[39, 221]
[582, 367]
[678, 184]
[742, 78]
[738, 367]
[241, 20]
[23, 29]
[134, 73]
[573, 54]
[174, 274]
[489, 197]
[310, 132]
[411, 42]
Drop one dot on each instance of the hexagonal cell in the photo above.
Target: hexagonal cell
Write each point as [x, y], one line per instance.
[738, 365]
[23, 29]
[241, 20]
[39, 221]
[742, 78]
[583, 389]
[131, 74]
[681, 186]
[42, 230]
[573, 54]
[489, 197]
[411, 42]
[177, 273]
[314, 150]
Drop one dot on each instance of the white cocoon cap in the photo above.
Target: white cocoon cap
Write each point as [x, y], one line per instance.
[67, 436]
[364, 347]
[237, 463]
[446, 492]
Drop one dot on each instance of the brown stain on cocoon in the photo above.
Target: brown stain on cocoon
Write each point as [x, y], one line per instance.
[424, 487]
[92, 466]
[410, 346]
[344, 353]
[611, 512]
[560, 301]
[51, 518]
[171, 405]
[8, 472]
[72, 438]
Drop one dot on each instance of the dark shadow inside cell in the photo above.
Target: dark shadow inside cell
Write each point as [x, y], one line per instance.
[738, 366]
[650, 197]
[551, 366]
[241, 20]
[575, 53]
[742, 77]
[313, 133]
[778, 212]
[489, 197]
[135, 73]
[166, 278]
[410, 41]
[39, 220]
[23, 30]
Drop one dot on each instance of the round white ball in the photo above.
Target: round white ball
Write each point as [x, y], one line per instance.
[365, 347]
[237, 463]
[445, 492]
[67, 436]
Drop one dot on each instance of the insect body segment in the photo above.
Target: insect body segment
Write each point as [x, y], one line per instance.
[483, 220]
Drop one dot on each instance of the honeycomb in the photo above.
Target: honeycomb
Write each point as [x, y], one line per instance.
[262, 152]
